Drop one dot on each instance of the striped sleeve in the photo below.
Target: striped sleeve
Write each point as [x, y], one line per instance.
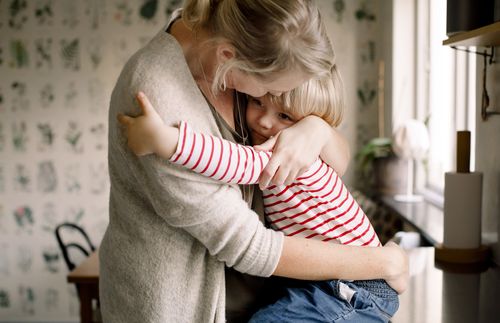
[218, 158]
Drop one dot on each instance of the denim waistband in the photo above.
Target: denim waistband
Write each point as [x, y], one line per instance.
[378, 287]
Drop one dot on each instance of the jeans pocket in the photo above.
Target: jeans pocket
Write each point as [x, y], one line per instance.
[366, 307]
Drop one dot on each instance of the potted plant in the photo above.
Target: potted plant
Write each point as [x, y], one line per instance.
[380, 170]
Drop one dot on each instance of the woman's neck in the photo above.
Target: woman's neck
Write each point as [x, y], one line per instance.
[202, 62]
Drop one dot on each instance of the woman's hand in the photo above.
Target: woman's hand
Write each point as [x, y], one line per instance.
[147, 133]
[297, 147]
[397, 265]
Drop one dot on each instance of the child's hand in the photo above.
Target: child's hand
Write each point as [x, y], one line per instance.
[144, 132]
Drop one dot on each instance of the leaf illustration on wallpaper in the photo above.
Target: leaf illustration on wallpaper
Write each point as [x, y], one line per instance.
[368, 52]
[2, 101]
[2, 188]
[23, 216]
[96, 12]
[19, 54]
[73, 300]
[339, 7]
[4, 260]
[69, 13]
[148, 9]
[20, 100]
[46, 137]
[123, 12]
[43, 53]
[71, 96]
[97, 96]
[51, 299]
[363, 13]
[18, 14]
[27, 296]
[74, 214]
[51, 259]
[94, 49]
[44, 13]
[22, 178]
[47, 96]
[99, 227]
[2, 139]
[98, 133]
[47, 177]
[172, 5]
[121, 52]
[49, 217]
[73, 137]
[366, 94]
[72, 178]
[363, 134]
[19, 136]
[98, 178]
[24, 258]
[4, 298]
[70, 54]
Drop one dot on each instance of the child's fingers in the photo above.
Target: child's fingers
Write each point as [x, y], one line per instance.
[124, 120]
[268, 145]
[269, 172]
[144, 103]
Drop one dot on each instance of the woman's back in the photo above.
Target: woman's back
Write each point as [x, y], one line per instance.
[156, 262]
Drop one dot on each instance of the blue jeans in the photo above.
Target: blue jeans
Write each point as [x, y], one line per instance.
[333, 301]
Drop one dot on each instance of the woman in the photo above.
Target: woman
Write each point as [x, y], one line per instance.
[172, 232]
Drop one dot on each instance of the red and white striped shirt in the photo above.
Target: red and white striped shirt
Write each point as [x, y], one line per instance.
[317, 205]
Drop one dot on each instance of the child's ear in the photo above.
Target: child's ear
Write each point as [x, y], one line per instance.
[225, 52]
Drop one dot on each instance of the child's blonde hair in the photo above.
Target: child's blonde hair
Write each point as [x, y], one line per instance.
[320, 96]
[269, 36]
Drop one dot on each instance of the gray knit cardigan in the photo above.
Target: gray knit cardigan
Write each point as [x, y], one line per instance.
[170, 230]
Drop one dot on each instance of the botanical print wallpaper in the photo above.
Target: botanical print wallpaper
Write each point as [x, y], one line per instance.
[355, 28]
[59, 60]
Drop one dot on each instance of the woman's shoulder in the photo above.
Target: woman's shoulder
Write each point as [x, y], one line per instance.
[161, 57]
[160, 67]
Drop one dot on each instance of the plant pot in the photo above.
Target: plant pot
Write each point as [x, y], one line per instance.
[390, 175]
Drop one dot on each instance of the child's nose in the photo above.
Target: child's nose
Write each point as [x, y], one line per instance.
[265, 122]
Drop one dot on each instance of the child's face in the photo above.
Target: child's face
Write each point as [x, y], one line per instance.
[266, 119]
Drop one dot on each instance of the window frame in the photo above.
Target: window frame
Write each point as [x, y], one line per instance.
[462, 78]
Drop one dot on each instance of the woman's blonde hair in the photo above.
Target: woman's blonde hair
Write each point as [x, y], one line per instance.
[320, 96]
[269, 36]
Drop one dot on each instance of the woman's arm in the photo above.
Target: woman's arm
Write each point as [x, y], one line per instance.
[296, 148]
[316, 260]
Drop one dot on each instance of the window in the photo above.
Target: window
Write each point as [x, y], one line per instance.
[444, 89]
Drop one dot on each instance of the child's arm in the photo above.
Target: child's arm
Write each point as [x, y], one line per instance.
[205, 154]
[147, 133]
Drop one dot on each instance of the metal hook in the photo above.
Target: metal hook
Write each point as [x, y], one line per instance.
[485, 100]
[485, 54]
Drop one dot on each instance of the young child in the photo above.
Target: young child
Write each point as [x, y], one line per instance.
[316, 205]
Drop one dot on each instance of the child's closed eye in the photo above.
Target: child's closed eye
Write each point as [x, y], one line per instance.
[285, 117]
[257, 102]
